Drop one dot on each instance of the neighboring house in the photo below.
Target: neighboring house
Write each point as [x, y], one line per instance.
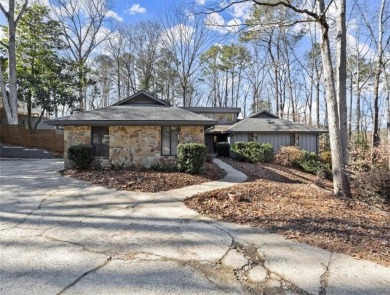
[23, 116]
[137, 131]
[265, 127]
[225, 117]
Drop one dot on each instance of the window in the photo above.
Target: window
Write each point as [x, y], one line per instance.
[100, 141]
[169, 140]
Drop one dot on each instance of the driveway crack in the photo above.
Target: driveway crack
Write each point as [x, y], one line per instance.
[31, 212]
[84, 274]
[325, 277]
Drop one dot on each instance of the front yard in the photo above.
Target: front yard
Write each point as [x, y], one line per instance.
[147, 181]
[301, 207]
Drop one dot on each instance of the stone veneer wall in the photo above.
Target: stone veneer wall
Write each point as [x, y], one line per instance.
[75, 135]
[191, 134]
[132, 145]
[135, 145]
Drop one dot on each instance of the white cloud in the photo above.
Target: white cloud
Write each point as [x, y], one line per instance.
[114, 15]
[243, 9]
[136, 8]
[217, 23]
[201, 2]
[178, 32]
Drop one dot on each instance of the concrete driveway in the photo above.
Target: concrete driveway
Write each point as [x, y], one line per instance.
[63, 236]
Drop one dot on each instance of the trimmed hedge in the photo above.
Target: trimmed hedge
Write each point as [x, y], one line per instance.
[252, 151]
[223, 149]
[81, 156]
[191, 157]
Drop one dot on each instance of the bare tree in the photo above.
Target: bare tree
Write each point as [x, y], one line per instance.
[10, 99]
[186, 37]
[82, 24]
[318, 14]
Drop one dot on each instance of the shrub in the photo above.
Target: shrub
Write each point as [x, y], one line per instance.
[326, 157]
[191, 157]
[238, 151]
[373, 186]
[288, 155]
[223, 149]
[164, 167]
[252, 151]
[268, 152]
[81, 156]
[311, 163]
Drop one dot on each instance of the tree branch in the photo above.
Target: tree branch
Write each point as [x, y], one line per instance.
[6, 14]
[22, 10]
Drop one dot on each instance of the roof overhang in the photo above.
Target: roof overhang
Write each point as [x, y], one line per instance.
[129, 123]
[279, 132]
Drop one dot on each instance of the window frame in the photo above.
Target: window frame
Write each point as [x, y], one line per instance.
[170, 140]
[98, 148]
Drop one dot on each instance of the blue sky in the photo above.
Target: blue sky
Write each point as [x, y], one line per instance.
[134, 11]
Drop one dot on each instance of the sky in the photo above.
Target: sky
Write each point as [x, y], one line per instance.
[134, 11]
[127, 11]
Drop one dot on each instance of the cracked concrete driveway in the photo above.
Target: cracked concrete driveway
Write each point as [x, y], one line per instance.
[63, 236]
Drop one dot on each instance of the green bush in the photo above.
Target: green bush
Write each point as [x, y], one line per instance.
[311, 163]
[238, 151]
[223, 149]
[191, 157]
[164, 167]
[268, 152]
[252, 151]
[81, 156]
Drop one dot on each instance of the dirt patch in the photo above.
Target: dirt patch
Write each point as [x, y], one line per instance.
[147, 181]
[287, 201]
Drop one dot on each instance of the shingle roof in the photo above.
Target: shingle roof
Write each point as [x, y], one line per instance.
[134, 115]
[271, 125]
[212, 110]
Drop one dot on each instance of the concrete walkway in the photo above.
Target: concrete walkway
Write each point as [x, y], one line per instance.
[63, 236]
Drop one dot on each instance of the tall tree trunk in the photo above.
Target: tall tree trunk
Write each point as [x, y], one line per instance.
[358, 113]
[341, 62]
[350, 108]
[378, 69]
[340, 180]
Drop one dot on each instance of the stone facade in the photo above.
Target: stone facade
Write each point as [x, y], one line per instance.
[191, 134]
[133, 145]
[75, 135]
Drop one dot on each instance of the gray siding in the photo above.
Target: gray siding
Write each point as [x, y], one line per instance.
[239, 137]
[276, 140]
[308, 142]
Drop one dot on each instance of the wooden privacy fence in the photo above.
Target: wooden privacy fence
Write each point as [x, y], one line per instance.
[43, 139]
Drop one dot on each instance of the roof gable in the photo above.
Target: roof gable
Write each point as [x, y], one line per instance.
[263, 115]
[142, 98]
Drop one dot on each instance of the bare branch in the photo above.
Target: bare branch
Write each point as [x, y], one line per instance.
[22, 10]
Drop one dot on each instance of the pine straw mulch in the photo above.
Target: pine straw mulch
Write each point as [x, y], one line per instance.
[146, 181]
[288, 201]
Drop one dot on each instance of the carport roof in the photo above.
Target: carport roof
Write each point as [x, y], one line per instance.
[265, 122]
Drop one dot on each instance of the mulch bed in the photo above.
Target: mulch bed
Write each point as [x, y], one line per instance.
[303, 208]
[146, 181]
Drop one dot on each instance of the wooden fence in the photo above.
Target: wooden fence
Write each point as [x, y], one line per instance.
[43, 139]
